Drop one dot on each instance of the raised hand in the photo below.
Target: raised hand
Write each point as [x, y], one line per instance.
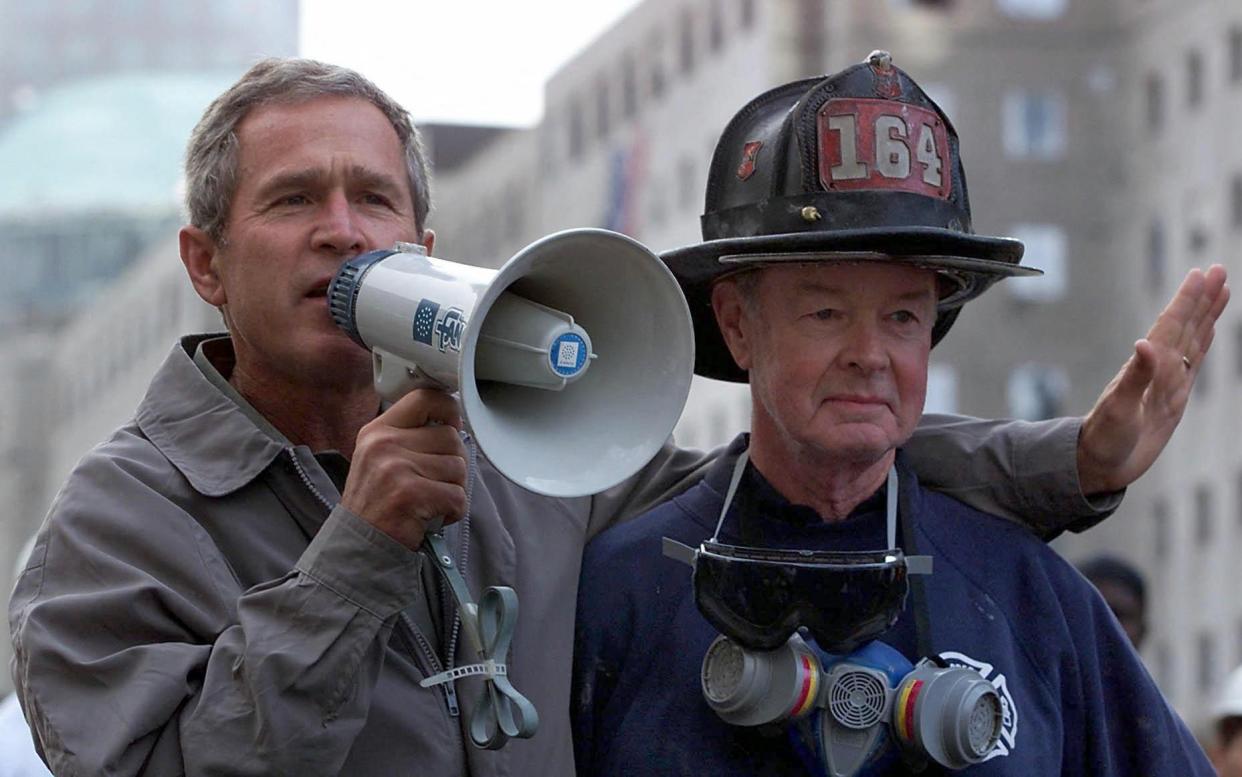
[1140, 408]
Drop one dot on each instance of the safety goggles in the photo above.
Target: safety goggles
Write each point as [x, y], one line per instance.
[761, 596]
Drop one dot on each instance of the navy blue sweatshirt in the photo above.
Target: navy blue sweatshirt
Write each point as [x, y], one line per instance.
[1077, 699]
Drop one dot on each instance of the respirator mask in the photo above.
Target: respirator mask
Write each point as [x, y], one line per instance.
[797, 649]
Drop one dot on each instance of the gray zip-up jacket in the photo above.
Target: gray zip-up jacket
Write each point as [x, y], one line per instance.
[198, 603]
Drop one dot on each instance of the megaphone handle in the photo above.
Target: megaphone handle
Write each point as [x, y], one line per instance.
[435, 547]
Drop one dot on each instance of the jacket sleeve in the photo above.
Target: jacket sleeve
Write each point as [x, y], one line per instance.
[136, 652]
[1024, 471]
[671, 471]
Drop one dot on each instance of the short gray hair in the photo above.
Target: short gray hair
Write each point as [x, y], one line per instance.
[211, 156]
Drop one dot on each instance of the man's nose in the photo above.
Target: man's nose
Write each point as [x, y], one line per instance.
[864, 348]
[338, 228]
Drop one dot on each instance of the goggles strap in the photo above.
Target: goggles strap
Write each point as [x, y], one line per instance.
[918, 591]
[738, 469]
[890, 512]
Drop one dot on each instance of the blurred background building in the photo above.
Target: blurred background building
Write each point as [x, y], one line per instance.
[43, 45]
[1100, 132]
[97, 100]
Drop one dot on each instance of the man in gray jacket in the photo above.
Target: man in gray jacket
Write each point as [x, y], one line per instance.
[229, 584]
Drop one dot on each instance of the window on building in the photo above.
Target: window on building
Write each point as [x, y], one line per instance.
[685, 42]
[603, 108]
[629, 86]
[1046, 250]
[1037, 392]
[655, 57]
[1157, 257]
[656, 196]
[1032, 9]
[1034, 124]
[1235, 201]
[575, 129]
[941, 389]
[1203, 515]
[515, 212]
[747, 8]
[1206, 670]
[1197, 240]
[1155, 102]
[715, 26]
[687, 183]
[1235, 54]
[1161, 536]
[1194, 79]
[549, 134]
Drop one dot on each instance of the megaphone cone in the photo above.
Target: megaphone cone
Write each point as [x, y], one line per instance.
[573, 361]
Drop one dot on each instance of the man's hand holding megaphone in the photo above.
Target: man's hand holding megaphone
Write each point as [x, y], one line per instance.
[408, 471]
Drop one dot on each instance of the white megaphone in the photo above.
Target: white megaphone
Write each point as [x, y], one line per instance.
[573, 360]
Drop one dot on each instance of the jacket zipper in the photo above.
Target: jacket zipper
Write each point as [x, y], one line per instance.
[464, 553]
[449, 689]
[425, 651]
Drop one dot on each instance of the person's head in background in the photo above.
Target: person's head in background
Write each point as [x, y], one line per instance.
[1226, 751]
[1122, 587]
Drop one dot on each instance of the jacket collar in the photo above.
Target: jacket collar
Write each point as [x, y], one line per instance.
[200, 429]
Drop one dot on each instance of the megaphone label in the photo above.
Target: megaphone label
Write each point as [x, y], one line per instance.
[441, 331]
[425, 321]
[449, 330]
[568, 354]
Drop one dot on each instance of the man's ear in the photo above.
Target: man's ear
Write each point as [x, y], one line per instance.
[429, 241]
[732, 318]
[198, 254]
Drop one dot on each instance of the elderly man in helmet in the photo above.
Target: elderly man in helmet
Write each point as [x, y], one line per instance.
[841, 618]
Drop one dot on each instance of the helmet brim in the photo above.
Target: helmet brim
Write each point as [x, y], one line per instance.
[972, 262]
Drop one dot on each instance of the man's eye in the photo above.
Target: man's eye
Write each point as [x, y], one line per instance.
[293, 199]
[827, 314]
[905, 317]
[375, 199]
